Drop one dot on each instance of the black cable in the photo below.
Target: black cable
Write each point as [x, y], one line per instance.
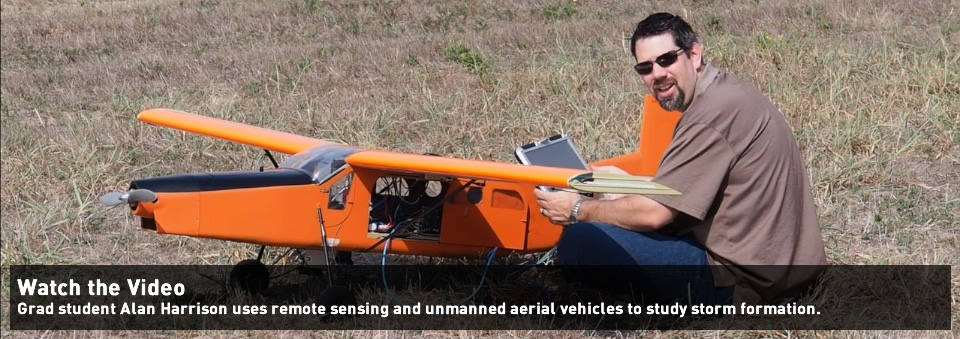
[274, 161]
[260, 255]
[326, 253]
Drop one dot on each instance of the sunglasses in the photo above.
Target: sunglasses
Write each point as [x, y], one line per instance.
[664, 60]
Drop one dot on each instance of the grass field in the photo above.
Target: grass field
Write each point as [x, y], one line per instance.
[871, 89]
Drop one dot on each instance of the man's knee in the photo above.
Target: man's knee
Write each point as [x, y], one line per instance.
[574, 234]
[575, 242]
[591, 244]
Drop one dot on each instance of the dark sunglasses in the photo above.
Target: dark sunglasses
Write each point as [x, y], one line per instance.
[664, 60]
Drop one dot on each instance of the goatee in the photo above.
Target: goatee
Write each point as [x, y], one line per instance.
[673, 103]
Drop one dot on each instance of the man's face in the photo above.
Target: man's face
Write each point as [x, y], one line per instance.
[672, 85]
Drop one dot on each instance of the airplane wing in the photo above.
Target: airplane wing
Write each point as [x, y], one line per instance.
[233, 131]
[407, 163]
[582, 180]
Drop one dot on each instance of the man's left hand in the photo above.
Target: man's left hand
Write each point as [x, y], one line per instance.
[556, 205]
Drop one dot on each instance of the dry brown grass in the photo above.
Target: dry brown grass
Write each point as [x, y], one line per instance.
[871, 88]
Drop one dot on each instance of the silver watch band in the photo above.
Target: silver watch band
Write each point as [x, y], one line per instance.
[575, 212]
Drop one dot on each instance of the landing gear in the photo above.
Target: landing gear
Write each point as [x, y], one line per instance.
[336, 296]
[333, 295]
[250, 276]
[343, 258]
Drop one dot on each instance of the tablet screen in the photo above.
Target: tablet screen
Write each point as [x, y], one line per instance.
[557, 151]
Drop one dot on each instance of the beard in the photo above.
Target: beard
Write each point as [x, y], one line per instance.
[674, 102]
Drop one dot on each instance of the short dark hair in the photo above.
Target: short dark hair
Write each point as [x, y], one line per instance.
[659, 23]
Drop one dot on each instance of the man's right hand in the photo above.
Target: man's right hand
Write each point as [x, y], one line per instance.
[608, 169]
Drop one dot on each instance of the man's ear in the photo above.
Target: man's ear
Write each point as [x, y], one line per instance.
[696, 55]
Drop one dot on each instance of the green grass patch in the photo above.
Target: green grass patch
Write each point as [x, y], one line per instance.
[471, 61]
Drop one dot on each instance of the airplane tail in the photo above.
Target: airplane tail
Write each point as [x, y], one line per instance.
[656, 131]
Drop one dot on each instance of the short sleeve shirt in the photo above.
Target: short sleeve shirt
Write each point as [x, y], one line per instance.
[745, 193]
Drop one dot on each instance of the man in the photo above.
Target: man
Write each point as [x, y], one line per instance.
[746, 216]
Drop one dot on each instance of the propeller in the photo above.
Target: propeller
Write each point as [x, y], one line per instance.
[137, 195]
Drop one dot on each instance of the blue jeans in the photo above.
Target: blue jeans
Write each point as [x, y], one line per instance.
[648, 267]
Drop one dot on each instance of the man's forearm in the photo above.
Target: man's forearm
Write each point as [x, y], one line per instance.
[633, 212]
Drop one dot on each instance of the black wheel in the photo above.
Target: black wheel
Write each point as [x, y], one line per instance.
[343, 258]
[336, 296]
[250, 276]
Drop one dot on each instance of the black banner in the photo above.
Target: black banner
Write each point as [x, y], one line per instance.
[461, 297]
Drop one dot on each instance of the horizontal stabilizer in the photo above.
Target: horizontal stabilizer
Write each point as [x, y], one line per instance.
[618, 183]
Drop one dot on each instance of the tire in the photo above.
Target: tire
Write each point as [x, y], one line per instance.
[250, 276]
[343, 257]
[336, 296]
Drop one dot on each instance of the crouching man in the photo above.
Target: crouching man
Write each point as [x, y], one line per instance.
[744, 228]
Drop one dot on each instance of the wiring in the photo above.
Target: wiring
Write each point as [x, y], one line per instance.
[386, 286]
[406, 218]
[541, 262]
[423, 213]
[383, 274]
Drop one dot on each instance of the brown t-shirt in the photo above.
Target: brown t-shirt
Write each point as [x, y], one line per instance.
[745, 192]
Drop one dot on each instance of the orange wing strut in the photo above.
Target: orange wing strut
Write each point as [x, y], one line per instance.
[232, 131]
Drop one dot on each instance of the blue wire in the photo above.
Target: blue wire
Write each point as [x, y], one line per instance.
[383, 269]
[383, 264]
[490, 256]
[396, 212]
[547, 256]
[482, 278]
[383, 272]
[546, 290]
[540, 262]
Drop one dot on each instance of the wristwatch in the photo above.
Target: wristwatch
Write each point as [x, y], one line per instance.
[575, 212]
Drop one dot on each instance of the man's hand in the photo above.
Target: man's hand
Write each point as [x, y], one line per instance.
[556, 205]
[610, 169]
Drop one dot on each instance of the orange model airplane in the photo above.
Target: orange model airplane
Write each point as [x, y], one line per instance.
[334, 198]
